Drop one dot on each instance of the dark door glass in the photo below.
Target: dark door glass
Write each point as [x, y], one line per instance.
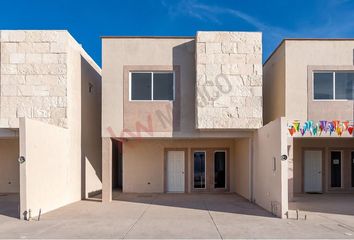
[336, 163]
[140, 86]
[199, 170]
[219, 169]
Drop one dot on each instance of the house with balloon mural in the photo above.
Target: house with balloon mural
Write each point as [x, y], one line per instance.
[310, 82]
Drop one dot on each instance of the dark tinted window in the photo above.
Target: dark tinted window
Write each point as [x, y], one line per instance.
[141, 86]
[345, 85]
[323, 85]
[163, 86]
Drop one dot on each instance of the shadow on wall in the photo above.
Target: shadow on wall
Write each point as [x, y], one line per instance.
[183, 111]
[91, 141]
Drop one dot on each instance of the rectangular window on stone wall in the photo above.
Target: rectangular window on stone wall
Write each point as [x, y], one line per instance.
[151, 86]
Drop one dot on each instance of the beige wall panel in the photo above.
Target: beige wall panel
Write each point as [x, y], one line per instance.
[270, 180]
[243, 167]
[274, 86]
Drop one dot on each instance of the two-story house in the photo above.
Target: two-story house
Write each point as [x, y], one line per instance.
[50, 104]
[181, 114]
[311, 83]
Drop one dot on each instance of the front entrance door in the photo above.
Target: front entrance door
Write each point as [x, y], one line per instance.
[313, 171]
[336, 169]
[175, 171]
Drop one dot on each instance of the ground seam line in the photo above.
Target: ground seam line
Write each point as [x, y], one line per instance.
[141, 215]
[212, 219]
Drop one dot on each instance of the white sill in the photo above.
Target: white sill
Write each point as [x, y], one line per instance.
[151, 101]
[331, 100]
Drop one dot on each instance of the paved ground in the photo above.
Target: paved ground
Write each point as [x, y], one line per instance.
[173, 216]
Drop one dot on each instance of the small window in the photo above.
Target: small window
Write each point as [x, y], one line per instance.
[152, 86]
[323, 86]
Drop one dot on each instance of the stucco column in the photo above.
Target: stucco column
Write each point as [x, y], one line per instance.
[106, 170]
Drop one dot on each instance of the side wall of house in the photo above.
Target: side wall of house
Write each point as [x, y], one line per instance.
[274, 86]
[84, 116]
[270, 179]
[9, 166]
[49, 176]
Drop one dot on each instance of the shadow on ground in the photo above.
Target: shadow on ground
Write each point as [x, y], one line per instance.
[9, 204]
[332, 203]
[216, 202]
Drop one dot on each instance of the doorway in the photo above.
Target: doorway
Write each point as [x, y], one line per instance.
[117, 165]
[336, 169]
[175, 171]
[313, 171]
[210, 170]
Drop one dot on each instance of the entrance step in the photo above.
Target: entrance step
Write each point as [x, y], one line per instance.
[296, 214]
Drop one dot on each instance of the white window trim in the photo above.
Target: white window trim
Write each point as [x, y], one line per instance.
[334, 86]
[152, 86]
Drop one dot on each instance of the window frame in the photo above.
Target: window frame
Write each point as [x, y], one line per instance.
[334, 85]
[152, 86]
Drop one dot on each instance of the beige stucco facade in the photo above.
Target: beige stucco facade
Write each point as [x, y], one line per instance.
[51, 96]
[230, 121]
[288, 79]
[288, 92]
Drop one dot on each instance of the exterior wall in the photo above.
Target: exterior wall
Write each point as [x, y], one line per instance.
[143, 162]
[124, 118]
[91, 127]
[33, 77]
[243, 167]
[344, 144]
[274, 86]
[83, 113]
[229, 80]
[270, 178]
[51, 160]
[9, 166]
[303, 56]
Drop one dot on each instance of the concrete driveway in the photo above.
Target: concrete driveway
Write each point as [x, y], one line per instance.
[159, 216]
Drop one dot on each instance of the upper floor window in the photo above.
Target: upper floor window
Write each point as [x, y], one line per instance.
[334, 85]
[151, 86]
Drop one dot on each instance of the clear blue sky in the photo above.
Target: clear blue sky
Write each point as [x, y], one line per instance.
[87, 20]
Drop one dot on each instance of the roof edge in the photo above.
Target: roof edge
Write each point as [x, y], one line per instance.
[157, 37]
[304, 39]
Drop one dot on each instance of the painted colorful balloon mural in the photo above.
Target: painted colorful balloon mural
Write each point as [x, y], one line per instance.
[321, 128]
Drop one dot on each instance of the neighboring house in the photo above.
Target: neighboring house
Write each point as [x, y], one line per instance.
[184, 114]
[50, 107]
[311, 83]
